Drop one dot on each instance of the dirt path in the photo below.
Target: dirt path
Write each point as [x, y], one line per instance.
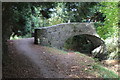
[25, 60]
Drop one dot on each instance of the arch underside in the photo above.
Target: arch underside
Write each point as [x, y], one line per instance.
[83, 41]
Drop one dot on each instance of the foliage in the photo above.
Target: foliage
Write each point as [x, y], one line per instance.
[109, 31]
[64, 12]
[110, 27]
[112, 47]
[25, 17]
[22, 17]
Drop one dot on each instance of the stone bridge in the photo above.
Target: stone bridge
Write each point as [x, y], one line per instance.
[56, 35]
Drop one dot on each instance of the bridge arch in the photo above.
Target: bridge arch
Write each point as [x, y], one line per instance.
[56, 35]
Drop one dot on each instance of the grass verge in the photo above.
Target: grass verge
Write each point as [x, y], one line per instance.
[104, 72]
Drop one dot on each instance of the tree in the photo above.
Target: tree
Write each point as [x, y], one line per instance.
[110, 27]
[21, 17]
[17, 19]
[109, 31]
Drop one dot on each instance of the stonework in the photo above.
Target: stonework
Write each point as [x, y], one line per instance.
[56, 35]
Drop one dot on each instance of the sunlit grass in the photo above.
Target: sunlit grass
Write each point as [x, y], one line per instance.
[20, 37]
[104, 72]
[14, 38]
